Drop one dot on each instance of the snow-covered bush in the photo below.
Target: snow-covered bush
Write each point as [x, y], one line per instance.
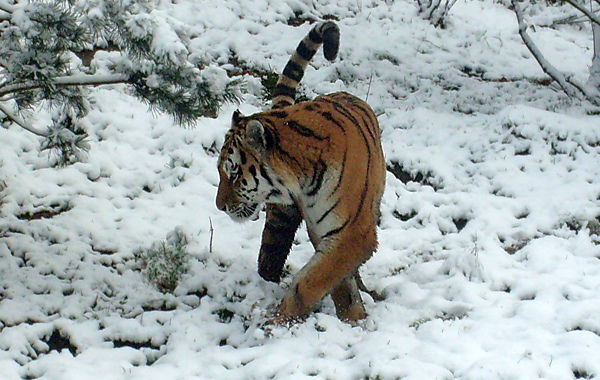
[165, 261]
[51, 51]
[436, 11]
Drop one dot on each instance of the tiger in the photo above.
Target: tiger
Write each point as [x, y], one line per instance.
[320, 162]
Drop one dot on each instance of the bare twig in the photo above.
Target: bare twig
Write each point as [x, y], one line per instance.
[580, 7]
[211, 231]
[369, 87]
[565, 20]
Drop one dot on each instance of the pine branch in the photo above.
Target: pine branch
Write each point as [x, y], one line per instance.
[73, 80]
[15, 119]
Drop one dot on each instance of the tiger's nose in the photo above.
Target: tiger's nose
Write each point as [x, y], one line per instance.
[220, 204]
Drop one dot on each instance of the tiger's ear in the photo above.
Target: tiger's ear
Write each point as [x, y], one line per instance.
[236, 117]
[258, 137]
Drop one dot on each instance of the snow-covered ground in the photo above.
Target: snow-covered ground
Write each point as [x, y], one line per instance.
[489, 256]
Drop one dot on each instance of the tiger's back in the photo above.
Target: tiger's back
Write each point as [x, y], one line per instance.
[329, 150]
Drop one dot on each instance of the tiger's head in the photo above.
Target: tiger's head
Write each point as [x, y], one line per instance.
[245, 180]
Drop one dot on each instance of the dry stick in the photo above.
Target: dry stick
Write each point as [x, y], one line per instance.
[211, 231]
[369, 88]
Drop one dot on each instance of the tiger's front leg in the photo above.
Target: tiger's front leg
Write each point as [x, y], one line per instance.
[331, 270]
[277, 238]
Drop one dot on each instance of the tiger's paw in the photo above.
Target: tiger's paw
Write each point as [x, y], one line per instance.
[353, 314]
[280, 319]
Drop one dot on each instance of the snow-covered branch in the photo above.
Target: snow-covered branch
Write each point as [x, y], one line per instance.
[73, 80]
[546, 66]
[7, 8]
[569, 85]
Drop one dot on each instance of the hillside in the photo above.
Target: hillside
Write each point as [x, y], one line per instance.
[489, 242]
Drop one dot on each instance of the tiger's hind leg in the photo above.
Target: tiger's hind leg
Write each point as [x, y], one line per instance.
[348, 302]
[277, 238]
[363, 288]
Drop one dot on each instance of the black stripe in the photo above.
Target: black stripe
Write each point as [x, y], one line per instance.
[273, 193]
[328, 211]
[329, 117]
[303, 130]
[339, 107]
[315, 36]
[339, 182]
[263, 173]
[293, 71]
[317, 178]
[282, 103]
[280, 114]
[368, 123]
[252, 171]
[304, 51]
[282, 89]
[368, 111]
[334, 231]
[276, 145]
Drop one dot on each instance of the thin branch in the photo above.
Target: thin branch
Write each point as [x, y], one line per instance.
[581, 8]
[73, 80]
[15, 119]
[566, 20]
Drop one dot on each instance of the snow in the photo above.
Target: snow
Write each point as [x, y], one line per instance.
[488, 257]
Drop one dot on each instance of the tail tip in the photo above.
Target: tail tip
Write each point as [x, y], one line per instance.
[331, 39]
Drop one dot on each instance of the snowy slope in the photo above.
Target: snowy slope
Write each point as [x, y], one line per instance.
[489, 247]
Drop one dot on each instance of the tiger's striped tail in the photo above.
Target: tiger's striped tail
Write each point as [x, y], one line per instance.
[325, 33]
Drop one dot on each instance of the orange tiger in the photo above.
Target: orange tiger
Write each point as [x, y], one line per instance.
[319, 161]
